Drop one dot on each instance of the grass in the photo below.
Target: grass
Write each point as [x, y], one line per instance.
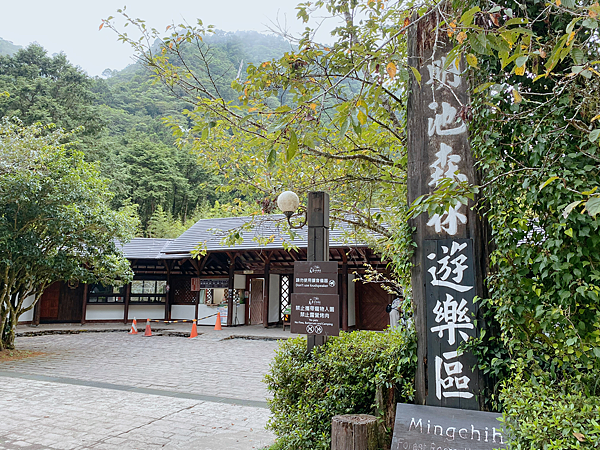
[15, 355]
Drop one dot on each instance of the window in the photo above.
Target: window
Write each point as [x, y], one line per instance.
[285, 288]
[148, 291]
[106, 294]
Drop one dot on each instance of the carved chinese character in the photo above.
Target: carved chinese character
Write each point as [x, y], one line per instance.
[441, 124]
[450, 76]
[452, 317]
[442, 385]
[446, 166]
[448, 221]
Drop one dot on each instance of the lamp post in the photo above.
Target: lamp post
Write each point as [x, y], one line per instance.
[317, 217]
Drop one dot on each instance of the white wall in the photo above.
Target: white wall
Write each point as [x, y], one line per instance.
[179, 312]
[105, 312]
[205, 310]
[142, 312]
[351, 301]
[273, 298]
[28, 316]
[239, 281]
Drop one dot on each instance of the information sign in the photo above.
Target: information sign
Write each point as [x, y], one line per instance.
[214, 283]
[431, 427]
[312, 277]
[315, 314]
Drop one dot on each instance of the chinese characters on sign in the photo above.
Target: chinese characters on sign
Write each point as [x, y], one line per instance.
[444, 125]
[450, 322]
[315, 314]
[315, 299]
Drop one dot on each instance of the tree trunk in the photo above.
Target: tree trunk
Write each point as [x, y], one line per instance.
[355, 432]
[385, 401]
[9, 332]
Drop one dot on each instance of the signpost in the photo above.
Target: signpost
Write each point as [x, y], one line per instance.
[428, 427]
[448, 261]
[315, 299]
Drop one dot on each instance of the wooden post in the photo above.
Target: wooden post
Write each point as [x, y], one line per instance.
[318, 241]
[83, 306]
[344, 296]
[168, 294]
[355, 432]
[37, 311]
[126, 306]
[438, 149]
[230, 303]
[266, 290]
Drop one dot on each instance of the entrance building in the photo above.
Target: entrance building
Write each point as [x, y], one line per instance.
[192, 277]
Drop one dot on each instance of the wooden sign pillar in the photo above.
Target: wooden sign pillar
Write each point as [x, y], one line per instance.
[318, 241]
[447, 271]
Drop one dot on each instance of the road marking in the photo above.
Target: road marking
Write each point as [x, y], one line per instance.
[139, 390]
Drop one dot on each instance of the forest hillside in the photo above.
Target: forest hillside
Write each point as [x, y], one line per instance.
[121, 119]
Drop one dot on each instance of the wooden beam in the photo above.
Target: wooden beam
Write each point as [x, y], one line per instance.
[266, 293]
[230, 305]
[344, 294]
[83, 307]
[168, 265]
[126, 306]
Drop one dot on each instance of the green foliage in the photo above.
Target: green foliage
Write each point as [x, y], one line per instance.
[340, 377]
[532, 119]
[55, 220]
[542, 413]
[316, 118]
[48, 90]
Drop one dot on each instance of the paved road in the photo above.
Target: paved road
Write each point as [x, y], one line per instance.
[114, 391]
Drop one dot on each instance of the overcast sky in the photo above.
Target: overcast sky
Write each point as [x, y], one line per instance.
[71, 26]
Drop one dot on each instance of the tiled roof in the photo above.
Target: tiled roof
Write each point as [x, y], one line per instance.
[145, 248]
[209, 234]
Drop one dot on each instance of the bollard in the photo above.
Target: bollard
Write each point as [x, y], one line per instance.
[354, 432]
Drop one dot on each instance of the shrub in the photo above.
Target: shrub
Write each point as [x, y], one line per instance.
[542, 413]
[341, 377]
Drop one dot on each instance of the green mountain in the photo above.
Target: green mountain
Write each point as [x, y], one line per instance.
[8, 48]
[122, 121]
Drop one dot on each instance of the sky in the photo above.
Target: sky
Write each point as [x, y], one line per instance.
[72, 26]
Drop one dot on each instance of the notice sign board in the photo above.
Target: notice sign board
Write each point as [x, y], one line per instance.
[214, 283]
[436, 428]
[315, 314]
[311, 277]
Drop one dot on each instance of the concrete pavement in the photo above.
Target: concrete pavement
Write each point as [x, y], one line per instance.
[111, 390]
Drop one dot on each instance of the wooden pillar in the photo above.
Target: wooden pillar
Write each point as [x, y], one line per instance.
[84, 305]
[355, 432]
[230, 303]
[344, 294]
[266, 291]
[126, 306]
[37, 311]
[318, 241]
[168, 294]
[438, 149]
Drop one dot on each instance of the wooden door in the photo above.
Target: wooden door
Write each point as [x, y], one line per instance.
[371, 301]
[49, 302]
[256, 301]
[70, 303]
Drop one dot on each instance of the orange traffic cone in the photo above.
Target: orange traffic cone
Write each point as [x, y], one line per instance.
[194, 332]
[134, 327]
[218, 323]
[148, 329]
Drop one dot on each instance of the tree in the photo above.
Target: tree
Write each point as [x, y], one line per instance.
[332, 118]
[317, 118]
[55, 220]
[48, 90]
